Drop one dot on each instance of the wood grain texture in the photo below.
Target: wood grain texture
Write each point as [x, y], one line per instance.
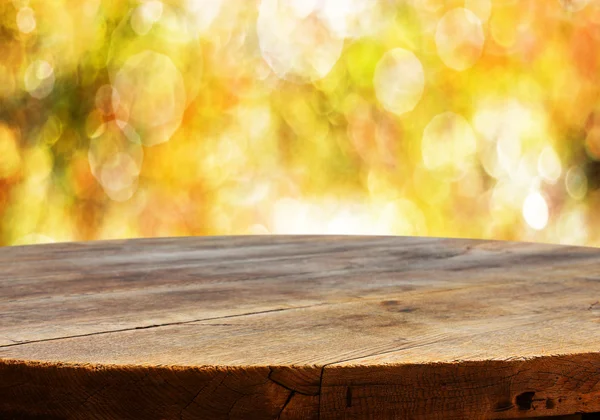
[299, 327]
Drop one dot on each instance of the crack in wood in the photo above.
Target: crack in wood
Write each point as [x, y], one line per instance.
[270, 376]
[320, 392]
[285, 404]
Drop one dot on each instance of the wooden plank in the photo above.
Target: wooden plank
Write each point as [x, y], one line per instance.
[299, 327]
[113, 285]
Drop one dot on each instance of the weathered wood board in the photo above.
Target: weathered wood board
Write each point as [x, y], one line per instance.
[299, 327]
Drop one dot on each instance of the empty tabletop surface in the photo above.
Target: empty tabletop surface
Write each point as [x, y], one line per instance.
[299, 327]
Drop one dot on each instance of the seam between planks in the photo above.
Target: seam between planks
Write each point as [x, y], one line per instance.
[166, 324]
[354, 300]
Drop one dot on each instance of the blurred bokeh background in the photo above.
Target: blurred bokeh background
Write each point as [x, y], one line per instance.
[466, 118]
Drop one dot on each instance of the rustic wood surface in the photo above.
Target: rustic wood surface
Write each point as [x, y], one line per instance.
[299, 327]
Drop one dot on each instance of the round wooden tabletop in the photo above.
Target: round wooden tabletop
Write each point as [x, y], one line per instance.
[298, 327]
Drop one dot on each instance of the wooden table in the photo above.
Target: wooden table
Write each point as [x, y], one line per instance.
[299, 327]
